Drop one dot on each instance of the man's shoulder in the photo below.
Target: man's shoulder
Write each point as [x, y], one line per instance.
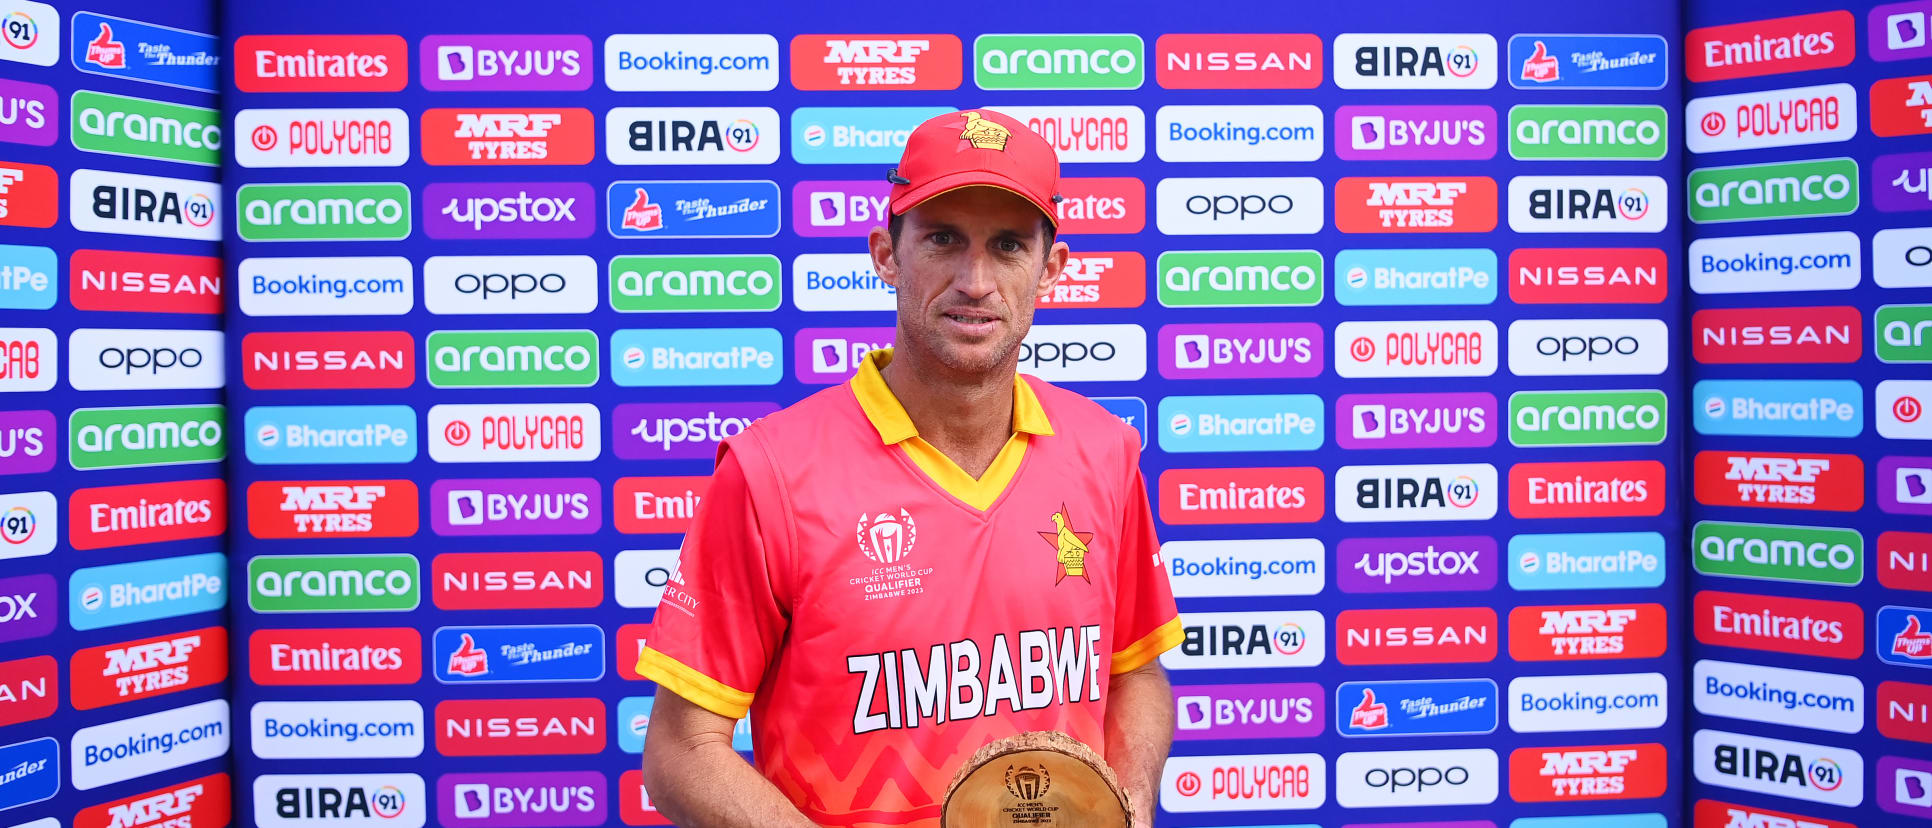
[820, 423]
[1080, 419]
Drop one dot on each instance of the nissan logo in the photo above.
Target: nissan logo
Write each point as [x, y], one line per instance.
[151, 360]
[1243, 206]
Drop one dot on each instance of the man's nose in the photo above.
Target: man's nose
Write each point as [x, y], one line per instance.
[977, 275]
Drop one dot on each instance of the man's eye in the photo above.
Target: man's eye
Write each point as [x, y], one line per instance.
[1009, 246]
[942, 238]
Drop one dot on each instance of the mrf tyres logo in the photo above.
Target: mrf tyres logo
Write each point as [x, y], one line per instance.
[1777, 480]
[1783, 190]
[1588, 773]
[881, 62]
[323, 212]
[332, 508]
[498, 137]
[1586, 632]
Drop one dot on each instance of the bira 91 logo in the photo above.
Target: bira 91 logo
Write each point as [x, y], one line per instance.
[1769, 47]
[332, 508]
[335, 656]
[340, 800]
[29, 524]
[519, 136]
[1794, 770]
[321, 63]
[30, 32]
[1444, 635]
[1416, 133]
[1588, 204]
[876, 62]
[196, 803]
[1247, 495]
[1459, 491]
[1238, 61]
[506, 63]
[30, 689]
[691, 135]
[529, 799]
[112, 280]
[1712, 813]
[1589, 773]
[657, 505]
[30, 195]
[1592, 276]
[1417, 204]
[1249, 639]
[520, 727]
[322, 137]
[334, 360]
[1587, 632]
[148, 667]
[1605, 488]
[1415, 61]
[1777, 480]
[517, 580]
[1830, 334]
[142, 205]
[110, 516]
[1804, 626]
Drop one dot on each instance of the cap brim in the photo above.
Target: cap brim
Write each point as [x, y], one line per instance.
[970, 178]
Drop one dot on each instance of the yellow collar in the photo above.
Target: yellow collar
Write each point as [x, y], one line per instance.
[894, 426]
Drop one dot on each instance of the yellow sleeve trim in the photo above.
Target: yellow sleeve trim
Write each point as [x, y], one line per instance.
[697, 688]
[1149, 647]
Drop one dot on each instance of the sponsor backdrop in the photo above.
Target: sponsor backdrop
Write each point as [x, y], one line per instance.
[1810, 277]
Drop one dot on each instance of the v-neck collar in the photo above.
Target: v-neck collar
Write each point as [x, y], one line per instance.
[895, 427]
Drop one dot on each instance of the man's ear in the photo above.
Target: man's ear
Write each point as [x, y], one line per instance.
[883, 262]
[1055, 267]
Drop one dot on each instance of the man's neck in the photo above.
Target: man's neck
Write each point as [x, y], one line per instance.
[968, 419]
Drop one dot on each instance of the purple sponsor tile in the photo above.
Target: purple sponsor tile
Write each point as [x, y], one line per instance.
[29, 113]
[839, 208]
[504, 506]
[1462, 563]
[1245, 350]
[1902, 182]
[528, 799]
[27, 441]
[1905, 786]
[1416, 133]
[1905, 485]
[1462, 419]
[1249, 711]
[681, 431]
[825, 356]
[519, 63]
[27, 607]
[509, 210]
[1897, 31]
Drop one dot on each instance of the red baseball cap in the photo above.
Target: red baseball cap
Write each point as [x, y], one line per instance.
[976, 148]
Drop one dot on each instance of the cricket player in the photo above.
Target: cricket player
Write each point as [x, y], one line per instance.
[935, 555]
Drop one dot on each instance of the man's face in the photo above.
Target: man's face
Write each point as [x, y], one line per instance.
[968, 267]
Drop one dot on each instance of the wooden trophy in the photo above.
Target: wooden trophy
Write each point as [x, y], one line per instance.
[1041, 779]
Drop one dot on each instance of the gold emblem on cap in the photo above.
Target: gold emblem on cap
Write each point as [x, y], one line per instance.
[984, 134]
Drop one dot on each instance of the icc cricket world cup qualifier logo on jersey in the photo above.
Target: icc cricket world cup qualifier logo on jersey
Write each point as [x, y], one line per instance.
[1069, 547]
[886, 539]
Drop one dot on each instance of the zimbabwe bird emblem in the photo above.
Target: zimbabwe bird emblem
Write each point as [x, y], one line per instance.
[1070, 547]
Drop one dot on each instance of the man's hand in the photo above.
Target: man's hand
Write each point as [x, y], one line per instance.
[698, 781]
[1140, 727]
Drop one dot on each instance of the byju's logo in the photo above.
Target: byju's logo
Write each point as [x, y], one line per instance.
[539, 799]
[692, 209]
[838, 208]
[1248, 711]
[519, 63]
[1415, 133]
[510, 654]
[680, 431]
[1241, 350]
[1905, 785]
[1598, 560]
[526, 506]
[1443, 707]
[824, 356]
[27, 441]
[1409, 421]
[1562, 61]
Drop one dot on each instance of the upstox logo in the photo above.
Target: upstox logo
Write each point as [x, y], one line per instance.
[1588, 133]
[1058, 61]
[1771, 552]
[512, 359]
[1240, 278]
[674, 284]
[114, 438]
[323, 212]
[1588, 418]
[1791, 189]
[334, 583]
[141, 128]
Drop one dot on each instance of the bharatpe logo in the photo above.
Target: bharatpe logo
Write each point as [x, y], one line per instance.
[1771, 552]
[116, 438]
[1588, 133]
[1415, 277]
[679, 284]
[290, 434]
[1058, 61]
[1604, 560]
[145, 52]
[133, 593]
[1588, 418]
[1275, 422]
[656, 357]
[28, 277]
[1778, 408]
[323, 212]
[512, 654]
[1442, 707]
[1792, 189]
[1561, 61]
[502, 210]
[1433, 564]
[141, 128]
[511, 359]
[1243, 278]
[856, 135]
[334, 583]
[692, 209]
[681, 431]
[142, 205]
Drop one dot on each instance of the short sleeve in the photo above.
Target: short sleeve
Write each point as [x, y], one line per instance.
[1146, 622]
[720, 622]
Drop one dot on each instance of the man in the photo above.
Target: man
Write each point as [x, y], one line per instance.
[938, 554]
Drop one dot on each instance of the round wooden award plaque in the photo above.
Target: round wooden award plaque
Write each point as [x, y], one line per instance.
[1042, 779]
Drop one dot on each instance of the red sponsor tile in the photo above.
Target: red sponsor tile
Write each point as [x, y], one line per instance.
[364, 655]
[657, 505]
[148, 667]
[1256, 495]
[1416, 204]
[1769, 47]
[108, 516]
[1238, 61]
[1588, 773]
[1588, 275]
[321, 63]
[878, 62]
[196, 803]
[1899, 106]
[520, 727]
[513, 136]
[275, 361]
[118, 280]
[1801, 626]
[1587, 632]
[332, 508]
[1116, 279]
[1711, 813]
[1727, 336]
[29, 195]
[517, 580]
[630, 645]
[633, 803]
[1904, 711]
[1779, 480]
[1611, 488]
[1102, 205]
[1442, 635]
[29, 689]
[1905, 560]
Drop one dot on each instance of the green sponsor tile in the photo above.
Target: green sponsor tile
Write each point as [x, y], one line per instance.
[118, 438]
[141, 128]
[1588, 133]
[334, 583]
[1059, 61]
[685, 284]
[323, 212]
[512, 359]
[1904, 333]
[1240, 278]
[1770, 552]
[1588, 418]
[1792, 189]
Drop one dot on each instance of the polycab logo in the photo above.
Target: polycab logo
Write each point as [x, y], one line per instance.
[1416, 204]
[148, 667]
[1904, 561]
[1904, 711]
[1615, 701]
[1410, 421]
[1267, 782]
[110, 516]
[1823, 114]
[1084, 134]
[1235, 206]
[1252, 350]
[31, 689]
[191, 804]
[1112, 279]
[1406, 778]
[1560, 61]
[1588, 774]
[1769, 47]
[322, 137]
[1588, 204]
[1434, 348]
[335, 656]
[1591, 276]
[1415, 61]
[1902, 106]
[1905, 485]
[1586, 347]
[514, 433]
[1426, 564]
[29, 359]
[1777, 480]
[1794, 770]
[278, 361]
[1775, 695]
[825, 356]
[112, 280]
[1831, 334]
[1443, 635]
[1238, 61]
[517, 580]
[321, 63]
[138, 205]
[526, 799]
[876, 62]
[691, 135]
[1459, 491]
[507, 63]
[1900, 405]
[1247, 711]
[1608, 488]
[1804, 626]
[521, 136]
[1904, 636]
[520, 727]
[1249, 495]
[1587, 632]
[1249, 639]
[30, 196]
[503, 210]
[29, 524]
[1416, 133]
[1443, 707]
[1714, 813]
[524, 506]
[657, 505]
[332, 508]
